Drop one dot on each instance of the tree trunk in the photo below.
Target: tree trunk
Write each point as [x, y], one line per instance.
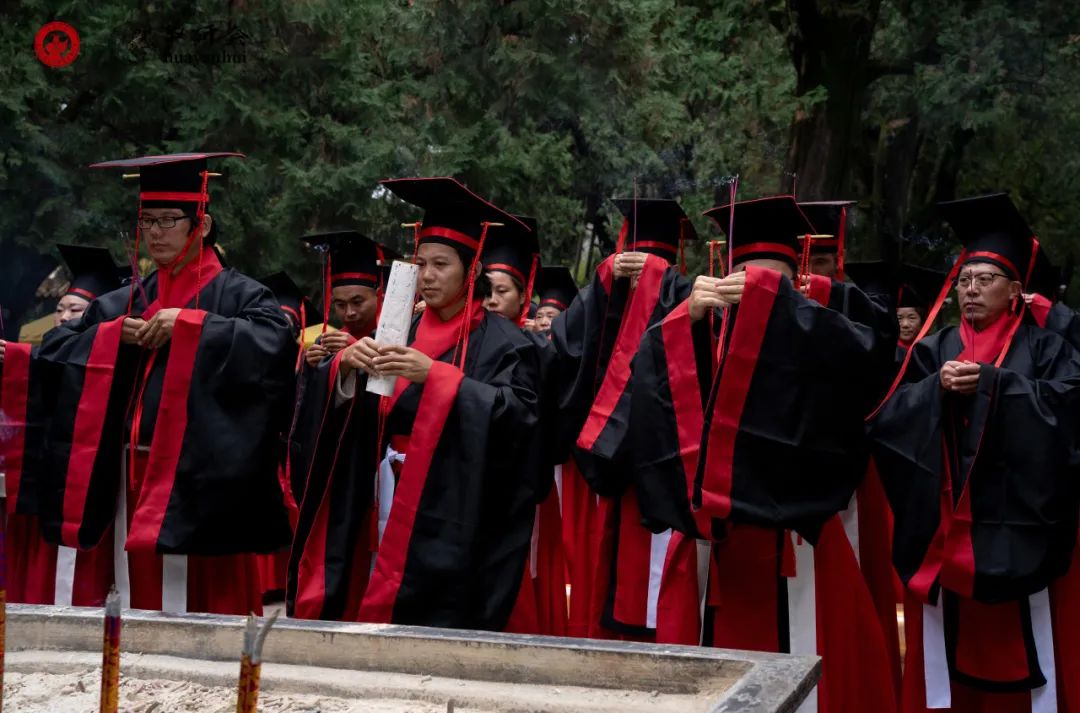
[829, 43]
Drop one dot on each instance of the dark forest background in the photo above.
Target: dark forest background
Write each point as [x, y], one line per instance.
[547, 107]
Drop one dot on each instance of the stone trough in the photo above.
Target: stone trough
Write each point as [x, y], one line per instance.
[54, 655]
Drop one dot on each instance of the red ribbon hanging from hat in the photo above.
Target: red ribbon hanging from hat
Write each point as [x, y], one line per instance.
[524, 316]
[463, 330]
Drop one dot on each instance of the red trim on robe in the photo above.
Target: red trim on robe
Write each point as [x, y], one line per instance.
[744, 580]
[633, 555]
[14, 392]
[634, 322]
[997, 628]
[1040, 309]
[155, 489]
[820, 289]
[89, 422]
[438, 397]
[678, 618]
[685, 399]
[758, 298]
[311, 569]
[550, 581]
[875, 561]
[606, 272]
[581, 540]
[855, 667]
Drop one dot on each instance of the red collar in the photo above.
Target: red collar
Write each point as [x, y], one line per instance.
[181, 289]
[986, 345]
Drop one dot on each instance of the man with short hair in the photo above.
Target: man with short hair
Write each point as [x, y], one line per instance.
[978, 454]
[163, 413]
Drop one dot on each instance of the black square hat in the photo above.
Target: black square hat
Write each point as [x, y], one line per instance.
[556, 287]
[654, 225]
[829, 219]
[291, 297]
[992, 230]
[453, 215]
[354, 258]
[93, 272]
[171, 180]
[513, 249]
[763, 228]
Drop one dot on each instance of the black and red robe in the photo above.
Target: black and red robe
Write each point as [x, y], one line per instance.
[596, 339]
[986, 498]
[770, 442]
[201, 408]
[1059, 318]
[456, 537]
[334, 458]
[39, 572]
[542, 601]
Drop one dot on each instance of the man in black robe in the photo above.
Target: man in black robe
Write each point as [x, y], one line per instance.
[743, 437]
[334, 447]
[164, 412]
[298, 310]
[977, 450]
[595, 341]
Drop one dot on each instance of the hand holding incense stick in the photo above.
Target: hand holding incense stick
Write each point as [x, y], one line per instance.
[110, 654]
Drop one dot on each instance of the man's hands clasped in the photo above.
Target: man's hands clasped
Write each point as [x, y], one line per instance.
[151, 333]
[711, 293]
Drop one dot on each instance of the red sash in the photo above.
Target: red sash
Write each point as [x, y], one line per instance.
[14, 391]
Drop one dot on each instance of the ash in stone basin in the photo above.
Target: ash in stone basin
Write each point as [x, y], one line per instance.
[190, 662]
[78, 693]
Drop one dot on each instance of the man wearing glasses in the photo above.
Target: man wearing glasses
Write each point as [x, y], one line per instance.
[978, 454]
[164, 420]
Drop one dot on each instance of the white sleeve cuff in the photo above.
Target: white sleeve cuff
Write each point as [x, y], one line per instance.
[344, 388]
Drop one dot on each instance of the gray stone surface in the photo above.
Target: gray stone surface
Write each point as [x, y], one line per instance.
[481, 670]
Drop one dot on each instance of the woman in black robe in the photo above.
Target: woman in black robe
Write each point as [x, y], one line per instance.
[455, 493]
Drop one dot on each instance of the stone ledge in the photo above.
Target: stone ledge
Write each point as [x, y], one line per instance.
[507, 670]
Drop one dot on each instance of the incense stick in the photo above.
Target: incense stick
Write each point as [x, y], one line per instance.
[133, 263]
[110, 654]
[247, 693]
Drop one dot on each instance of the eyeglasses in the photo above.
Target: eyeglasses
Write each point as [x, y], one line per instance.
[164, 222]
[981, 280]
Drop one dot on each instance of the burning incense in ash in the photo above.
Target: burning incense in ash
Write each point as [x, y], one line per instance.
[247, 693]
[110, 654]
